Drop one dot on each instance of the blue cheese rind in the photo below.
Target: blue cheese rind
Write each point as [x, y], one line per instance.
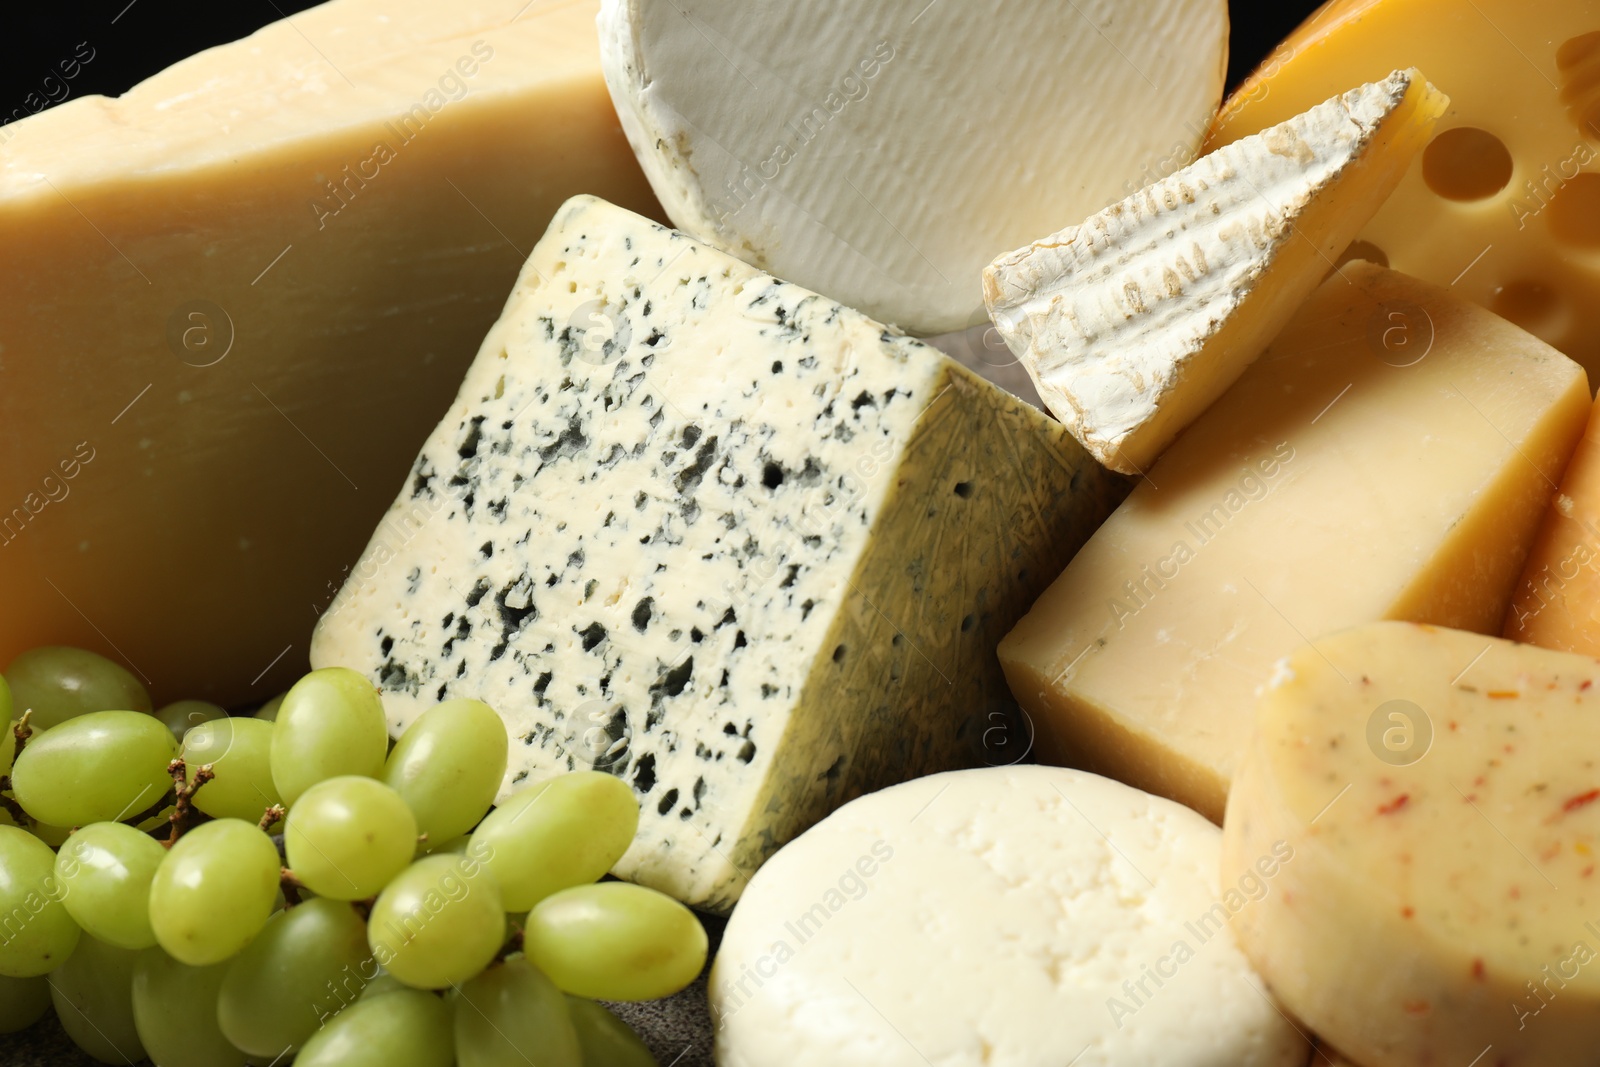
[718, 535]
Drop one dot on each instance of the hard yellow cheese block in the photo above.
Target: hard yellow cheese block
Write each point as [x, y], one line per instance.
[1387, 457]
[1505, 202]
[1557, 602]
[234, 301]
[1440, 796]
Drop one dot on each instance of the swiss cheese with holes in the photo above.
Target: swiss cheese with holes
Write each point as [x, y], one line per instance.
[1504, 205]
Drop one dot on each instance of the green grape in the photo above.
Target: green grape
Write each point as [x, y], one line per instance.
[607, 1041]
[448, 765]
[5, 701]
[306, 966]
[214, 891]
[93, 997]
[404, 1029]
[615, 941]
[175, 1011]
[58, 684]
[23, 1002]
[511, 1016]
[269, 711]
[37, 933]
[8, 745]
[183, 715]
[560, 833]
[438, 923]
[348, 837]
[330, 724]
[98, 767]
[381, 984]
[239, 753]
[54, 836]
[105, 872]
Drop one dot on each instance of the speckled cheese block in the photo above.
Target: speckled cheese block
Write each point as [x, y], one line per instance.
[1001, 917]
[718, 535]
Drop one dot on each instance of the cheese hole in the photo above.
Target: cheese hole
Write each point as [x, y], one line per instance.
[1534, 306]
[1364, 250]
[1579, 62]
[1466, 163]
[1575, 212]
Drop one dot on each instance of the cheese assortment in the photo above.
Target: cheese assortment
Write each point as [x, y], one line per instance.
[1437, 788]
[1389, 456]
[857, 166]
[1502, 205]
[1133, 322]
[1003, 915]
[236, 299]
[663, 530]
[712, 588]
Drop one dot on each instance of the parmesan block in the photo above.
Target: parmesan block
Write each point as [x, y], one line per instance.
[718, 535]
[1557, 602]
[881, 153]
[234, 301]
[1388, 456]
[1503, 206]
[1002, 917]
[1439, 791]
[1133, 322]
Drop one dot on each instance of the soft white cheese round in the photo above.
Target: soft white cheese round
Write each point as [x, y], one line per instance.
[883, 152]
[1000, 917]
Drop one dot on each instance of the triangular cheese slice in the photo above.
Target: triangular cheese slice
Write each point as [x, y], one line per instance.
[1133, 322]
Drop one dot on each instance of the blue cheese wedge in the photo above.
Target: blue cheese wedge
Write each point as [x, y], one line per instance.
[725, 538]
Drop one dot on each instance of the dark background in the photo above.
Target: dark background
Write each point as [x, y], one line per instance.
[132, 40]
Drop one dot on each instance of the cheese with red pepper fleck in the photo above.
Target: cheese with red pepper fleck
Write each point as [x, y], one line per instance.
[1441, 793]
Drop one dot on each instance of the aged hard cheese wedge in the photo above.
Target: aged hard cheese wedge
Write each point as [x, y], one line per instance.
[234, 301]
[1018, 915]
[1388, 456]
[1505, 202]
[1557, 602]
[852, 147]
[718, 535]
[1438, 790]
[1134, 321]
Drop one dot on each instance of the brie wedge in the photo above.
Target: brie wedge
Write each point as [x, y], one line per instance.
[1134, 321]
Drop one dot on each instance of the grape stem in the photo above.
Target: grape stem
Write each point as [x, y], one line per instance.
[18, 816]
[151, 811]
[22, 729]
[184, 791]
[290, 885]
[272, 815]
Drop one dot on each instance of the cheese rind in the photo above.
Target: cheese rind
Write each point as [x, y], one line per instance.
[1135, 321]
[236, 299]
[861, 164]
[1438, 790]
[732, 541]
[1498, 206]
[1389, 456]
[996, 918]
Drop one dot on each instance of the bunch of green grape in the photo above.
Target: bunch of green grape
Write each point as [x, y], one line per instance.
[207, 890]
